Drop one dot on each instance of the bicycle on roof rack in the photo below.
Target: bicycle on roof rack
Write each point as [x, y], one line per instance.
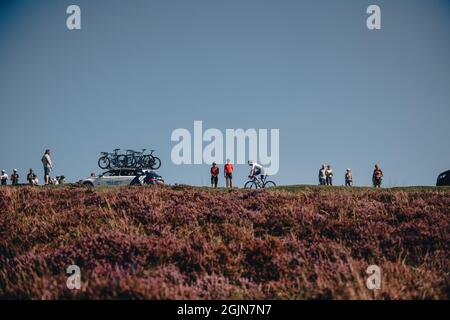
[138, 159]
[110, 160]
[131, 159]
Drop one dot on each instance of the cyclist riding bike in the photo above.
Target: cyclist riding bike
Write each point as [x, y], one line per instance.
[255, 170]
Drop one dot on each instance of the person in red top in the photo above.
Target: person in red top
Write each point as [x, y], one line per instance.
[228, 169]
[214, 175]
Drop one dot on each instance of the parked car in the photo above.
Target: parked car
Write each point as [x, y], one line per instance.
[118, 177]
[443, 179]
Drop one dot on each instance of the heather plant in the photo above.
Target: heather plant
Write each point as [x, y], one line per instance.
[190, 243]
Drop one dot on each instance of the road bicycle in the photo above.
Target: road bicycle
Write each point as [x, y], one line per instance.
[135, 159]
[259, 183]
[110, 160]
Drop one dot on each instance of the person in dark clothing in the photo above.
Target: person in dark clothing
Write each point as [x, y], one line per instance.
[214, 175]
[377, 176]
[32, 178]
[15, 177]
[322, 176]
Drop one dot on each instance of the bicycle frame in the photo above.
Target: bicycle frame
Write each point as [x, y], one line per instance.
[260, 182]
[137, 156]
[261, 178]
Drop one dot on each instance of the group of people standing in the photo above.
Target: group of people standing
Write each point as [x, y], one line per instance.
[32, 178]
[228, 174]
[326, 176]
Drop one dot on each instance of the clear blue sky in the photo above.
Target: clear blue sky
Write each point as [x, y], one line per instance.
[339, 93]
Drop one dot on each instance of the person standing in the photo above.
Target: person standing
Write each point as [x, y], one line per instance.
[4, 178]
[32, 178]
[377, 176]
[15, 177]
[322, 176]
[48, 166]
[228, 170]
[329, 175]
[348, 178]
[214, 175]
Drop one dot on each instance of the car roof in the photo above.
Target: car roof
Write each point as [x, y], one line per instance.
[123, 170]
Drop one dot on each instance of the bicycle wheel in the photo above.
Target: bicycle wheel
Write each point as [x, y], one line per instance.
[251, 185]
[155, 163]
[269, 184]
[104, 162]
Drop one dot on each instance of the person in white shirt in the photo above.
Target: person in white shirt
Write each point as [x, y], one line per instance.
[4, 178]
[48, 166]
[329, 175]
[348, 178]
[256, 169]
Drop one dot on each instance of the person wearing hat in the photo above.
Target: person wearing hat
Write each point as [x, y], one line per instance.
[48, 166]
[4, 178]
[348, 178]
[214, 175]
[377, 176]
[15, 177]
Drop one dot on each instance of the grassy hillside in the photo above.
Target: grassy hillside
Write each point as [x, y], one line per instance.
[296, 242]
